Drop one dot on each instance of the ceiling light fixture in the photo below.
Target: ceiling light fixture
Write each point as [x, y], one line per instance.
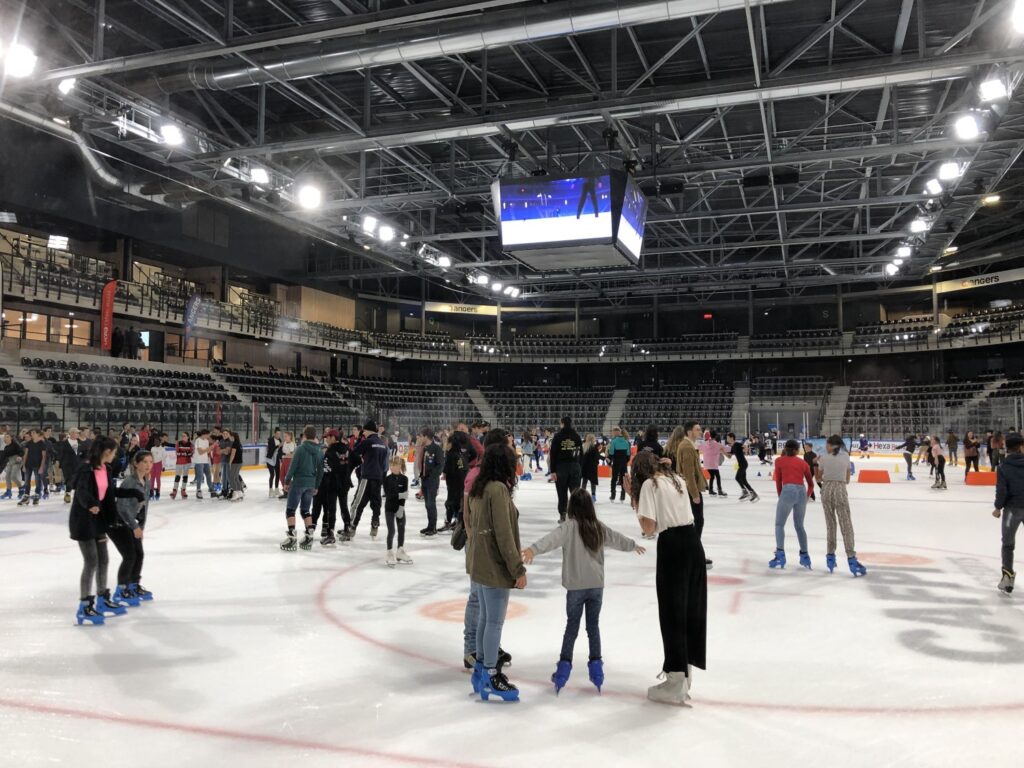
[386, 233]
[967, 127]
[482, 279]
[310, 197]
[57, 242]
[891, 269]
[904, 251]
[259, 175]
[496, 287]
[8, 217]
[515, 293]
[898, 262]
[919, 226]
[20, 61]
[1017, 16]
[935, 268]
[444, 261]
[950, 171]
[991, 200]
[172, 135]
[369, 224]
[950, 250]
[933, 187]
[66, 86]
[993, 89]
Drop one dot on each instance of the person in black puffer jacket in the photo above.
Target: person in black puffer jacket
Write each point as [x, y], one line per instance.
[1010, 503]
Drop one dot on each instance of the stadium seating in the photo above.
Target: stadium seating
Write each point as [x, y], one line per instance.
[281, 395]
[522, 408]
[669, 406]
[409, 406]
[782, 389]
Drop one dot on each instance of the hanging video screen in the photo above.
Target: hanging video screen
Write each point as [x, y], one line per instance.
[633, 220]
[552, 210]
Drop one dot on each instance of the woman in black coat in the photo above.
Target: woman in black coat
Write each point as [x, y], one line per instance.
[588, 464]
[93, 513]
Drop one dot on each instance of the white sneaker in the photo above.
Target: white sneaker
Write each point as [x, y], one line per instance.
[402, 557]
[238, 497]
[272, 494]
[672, 691]
[391, 561]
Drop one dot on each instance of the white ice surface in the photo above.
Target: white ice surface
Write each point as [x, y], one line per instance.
[254, 657]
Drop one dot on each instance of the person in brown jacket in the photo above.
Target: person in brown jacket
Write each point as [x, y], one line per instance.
[495, 563]
[688, 463]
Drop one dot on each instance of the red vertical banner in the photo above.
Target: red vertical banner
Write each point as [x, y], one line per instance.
[107, 315]
[217, 421]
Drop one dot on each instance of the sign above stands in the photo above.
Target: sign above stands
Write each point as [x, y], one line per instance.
[980, 281]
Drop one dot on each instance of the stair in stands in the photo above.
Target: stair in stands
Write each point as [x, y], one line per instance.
[616, 407]
[960, 415]
[835, 407]
[480, 401]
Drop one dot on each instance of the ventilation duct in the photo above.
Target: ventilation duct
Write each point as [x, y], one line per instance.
[476, 33]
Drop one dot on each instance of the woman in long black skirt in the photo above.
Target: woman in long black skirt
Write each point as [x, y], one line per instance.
[659, 498]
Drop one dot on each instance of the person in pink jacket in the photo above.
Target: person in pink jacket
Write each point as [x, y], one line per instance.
[712, 453]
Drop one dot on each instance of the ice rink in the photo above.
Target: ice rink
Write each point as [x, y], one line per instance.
[254, 657]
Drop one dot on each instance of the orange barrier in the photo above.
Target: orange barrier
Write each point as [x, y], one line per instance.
[981, 478]
[603, 470]
[707, 475]
[873, 476]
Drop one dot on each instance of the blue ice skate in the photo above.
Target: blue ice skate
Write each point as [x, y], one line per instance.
[779, 561]
[561, 674]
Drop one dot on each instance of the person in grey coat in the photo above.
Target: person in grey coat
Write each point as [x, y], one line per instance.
[583, 539]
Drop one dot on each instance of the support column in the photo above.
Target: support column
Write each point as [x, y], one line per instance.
[229, 21]
[655, 314]
[750, 312]
[98, 30]
[423, 308]
[126, 259]
[839, 307]
[497, 324]
[576, 320]
[935, 301]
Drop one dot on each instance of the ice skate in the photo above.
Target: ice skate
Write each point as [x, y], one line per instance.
[498, 685]
[174, 493]
[805, 560]
[593, 497]
[373, 532]
[35, 501]
[184, 493]
[88, 612]
[124, 594]
[271, 494]
[723, 494]
[595, 667]
[6, 495]
[345, 535]
[391, 561]
[708, 563]
[754, 498]
[142, 593]
[307, 542]
[830, 562]
[428, 532]
[199, 495]
[779, 561]
[561, 674]
[403, 558]
[1005, 583]
[672, 691]
[743, 496]
[24, 500]
[942, 486]
[935, 484]
[105, 603]
[327, 540]
[478, 677]
[712, 493]
[237, 497]
[855, 567]
[289, 544]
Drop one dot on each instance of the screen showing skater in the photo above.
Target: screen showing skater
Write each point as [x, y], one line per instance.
[634, 217]
[545, 211]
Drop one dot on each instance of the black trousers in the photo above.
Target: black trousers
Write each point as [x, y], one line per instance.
[714, 475]
[368, 492]
[454, 482]
[395, 523]
[682, 584]
[741, 480]
[970, 461]
[569, 475]
[618, 473]
[275, 475]
[698, 515]
[940, 469]
[325, 501]
[125, 542]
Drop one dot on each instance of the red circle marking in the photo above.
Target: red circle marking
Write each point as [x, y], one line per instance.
[325, 611]
[893, 558]
[455, 611]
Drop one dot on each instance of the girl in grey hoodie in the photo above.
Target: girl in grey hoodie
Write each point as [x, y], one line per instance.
[582, 538]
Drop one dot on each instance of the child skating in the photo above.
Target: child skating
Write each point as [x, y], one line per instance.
[583, 539]
[396, 491]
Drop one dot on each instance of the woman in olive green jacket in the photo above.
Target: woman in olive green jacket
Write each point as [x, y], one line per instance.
[495, 563]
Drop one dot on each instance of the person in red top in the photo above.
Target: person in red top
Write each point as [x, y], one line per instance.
[794, 483]
[183, 464]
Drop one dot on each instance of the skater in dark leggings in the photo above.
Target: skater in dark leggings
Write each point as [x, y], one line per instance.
[396, 491]
[273, 462]
[588, 464]
[127, 534]
[909, 446]
[937, 456]
[970, 454]
[736, 451]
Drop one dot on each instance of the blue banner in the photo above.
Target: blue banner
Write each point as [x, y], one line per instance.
[191, 315]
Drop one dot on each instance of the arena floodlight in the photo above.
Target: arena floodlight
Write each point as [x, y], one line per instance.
[369, 224]
[482, 279]
[259, 175]
[508, 290]
[515, 293]
[936, 268]
[20, 61]
[991, 200]
[1017, 17]
[967, 127]
[386, 233]
[904, 251]
[310, 197]
[950, 250]
[898, 262]
[993, 89]
[8, 217]
[920, 226]
[444, 261]
[66, 86]
[891, 269]
[57, 242]
[496, 287]
[950, 171]
[933, 187]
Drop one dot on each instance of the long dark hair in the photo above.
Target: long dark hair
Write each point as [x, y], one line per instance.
[100, 446]
[837, 444]
[792, 448]
[499, 463]
[647, 466]
[651, 433]
[581, 509]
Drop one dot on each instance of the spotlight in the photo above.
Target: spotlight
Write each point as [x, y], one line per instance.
[898, 262]
[369, 224]
[904, 251]
[386, 233]
[935, 268]
[950, 171]
[967, 127]
[891, 269]
[950, 250]
[993, 89]
[259, 175]
[1017, 16]
[482, 279]
[66, 86]
[20, 61]
[8, 217]
[57, 243]
[919, 226]
[515, 293]
[933, 187]
[444, 261]
[508, 290]
[991, 200]
[310, 197]
[172, 135]
[496, 287]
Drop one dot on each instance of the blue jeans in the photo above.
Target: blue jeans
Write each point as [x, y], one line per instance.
[793, 499]
[299, 498]
[576, 600]
[493, 606]
[203, 470]
[472, 617]
[37, 473]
